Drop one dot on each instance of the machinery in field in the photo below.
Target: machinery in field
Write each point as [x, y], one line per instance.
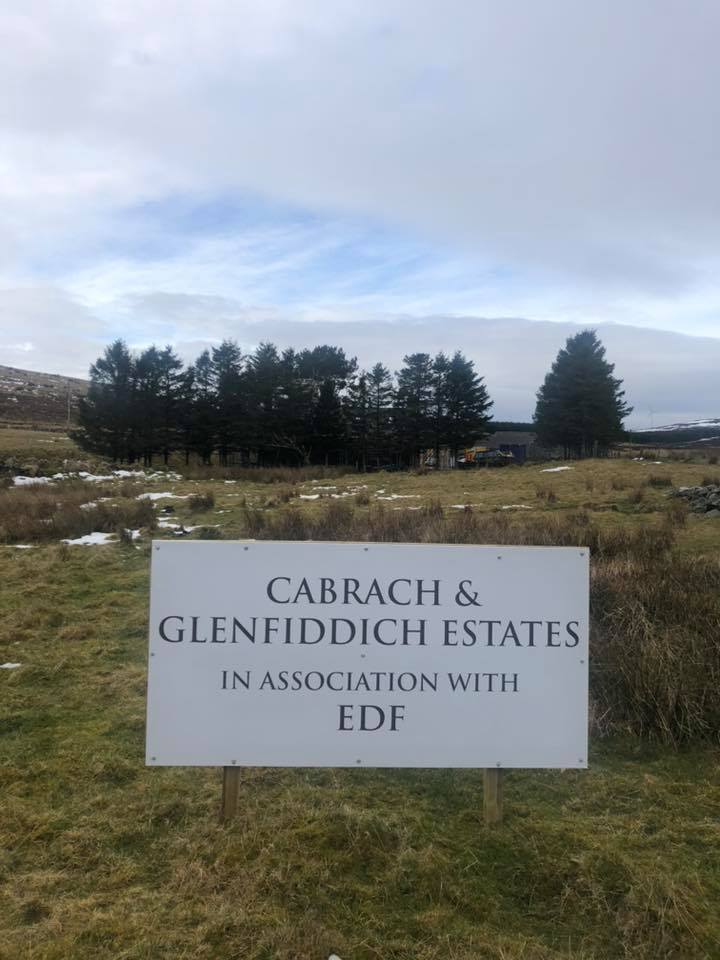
[477, 456]
[485, 457]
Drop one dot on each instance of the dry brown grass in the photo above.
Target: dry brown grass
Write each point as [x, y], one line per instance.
[656, 645]
[659, 480]
[637, 495]
[287, 475]
[339, 520]
[53, 512]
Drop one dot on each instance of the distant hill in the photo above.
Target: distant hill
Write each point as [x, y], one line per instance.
[35, 400]
[694, 433]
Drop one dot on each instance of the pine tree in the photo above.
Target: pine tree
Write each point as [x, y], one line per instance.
[146, 408]
[381, 396]
[360, 417]
[413, 399]
[438, 403]
[580, 405]
[106, 412]
[226, 372]
[203, 408]
[263, 392]
[466, 404]
[294, 410]
[170, 401]
[329, 432]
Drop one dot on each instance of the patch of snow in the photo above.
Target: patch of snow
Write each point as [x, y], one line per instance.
[461, 506]
[134, 534]
[183, 530]
[138, 475]
[30, 481]
[91, 539]
[142, 475]
[555, 469]
[516, 506]
[84, 475]
[9, 666]
[400, 496]
[23, 546]
[711, 422]
[230, 481]
[309, 496]
[167, 525]
[165, 495]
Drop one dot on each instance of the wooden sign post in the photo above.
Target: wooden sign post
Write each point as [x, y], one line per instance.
[230, 791]
[493, 795]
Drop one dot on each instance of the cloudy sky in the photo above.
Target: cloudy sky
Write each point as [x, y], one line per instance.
[388, 175]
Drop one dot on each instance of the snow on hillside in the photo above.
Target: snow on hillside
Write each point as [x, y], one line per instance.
[691, 425]
[29, 397]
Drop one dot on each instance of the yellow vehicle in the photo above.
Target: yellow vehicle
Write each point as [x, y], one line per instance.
[485, 457]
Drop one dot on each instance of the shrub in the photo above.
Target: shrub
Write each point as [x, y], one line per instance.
[659, 480]
[546, 493]
[287, 494]
[637, 495]
[201, 501]
[208, 533]
[676, 513]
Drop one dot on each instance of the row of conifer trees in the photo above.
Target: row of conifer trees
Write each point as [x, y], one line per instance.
[271, 407]
[316, 406]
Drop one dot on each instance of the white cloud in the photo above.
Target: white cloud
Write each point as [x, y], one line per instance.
[574, 139]
[451, 160]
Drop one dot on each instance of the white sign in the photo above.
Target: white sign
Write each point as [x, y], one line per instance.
[382, 655]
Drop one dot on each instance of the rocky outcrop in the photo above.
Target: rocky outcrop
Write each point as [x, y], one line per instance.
[703, 500]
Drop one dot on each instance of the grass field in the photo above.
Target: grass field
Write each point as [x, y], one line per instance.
[103, 858]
